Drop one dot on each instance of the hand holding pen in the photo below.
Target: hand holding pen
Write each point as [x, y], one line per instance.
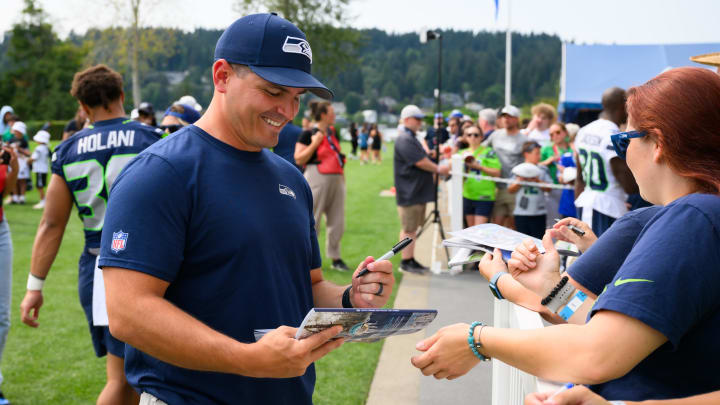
[373, 282]
[574, 231]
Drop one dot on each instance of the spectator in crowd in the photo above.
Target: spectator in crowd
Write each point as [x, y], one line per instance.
[318, 150]
[414, 183]
[507, 144]
[538, 130]
[39, 161]
[22, 150]
[188, 306]
[530, 212]
[603, 179]
[84, 168]
[363, 139]
[486, 121]
[178, 116]
[376, 144]
[8, 176]
[551, 157]
[643, 331]
[189, 100]
[306, 124]
[478, 195]
[287, 139]
[8, 135]
[436, 132]
[6, 113]
[146, 114]
[77, 123]
[353, 139]
[454, 129]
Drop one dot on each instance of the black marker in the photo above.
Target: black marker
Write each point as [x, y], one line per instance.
[578, 231]
[400, 246]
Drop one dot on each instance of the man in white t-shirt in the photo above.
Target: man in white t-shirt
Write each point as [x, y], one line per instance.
[604, 180]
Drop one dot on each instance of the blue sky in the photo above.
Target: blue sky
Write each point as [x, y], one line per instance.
[582, 21]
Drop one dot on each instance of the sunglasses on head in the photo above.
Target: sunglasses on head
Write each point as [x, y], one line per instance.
[621, 141]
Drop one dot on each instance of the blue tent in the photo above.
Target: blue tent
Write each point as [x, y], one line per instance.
[587, 70]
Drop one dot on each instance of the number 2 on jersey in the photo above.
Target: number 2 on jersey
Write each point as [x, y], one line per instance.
[98, 178]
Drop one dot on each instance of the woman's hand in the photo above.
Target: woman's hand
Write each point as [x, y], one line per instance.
[491, 264]
[578, 395]
[537, 272]
[561, 231]
[447, 354]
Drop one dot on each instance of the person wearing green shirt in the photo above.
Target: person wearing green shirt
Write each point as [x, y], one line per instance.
[550, 157]
[478, 195]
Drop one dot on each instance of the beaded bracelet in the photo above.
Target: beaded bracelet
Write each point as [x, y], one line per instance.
[555, 290]
[471, 341]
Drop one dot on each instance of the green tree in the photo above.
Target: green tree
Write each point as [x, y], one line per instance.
[323, 21]
[40, 68]
[353, 102]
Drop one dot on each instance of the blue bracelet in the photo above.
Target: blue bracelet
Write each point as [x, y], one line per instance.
[471, 341]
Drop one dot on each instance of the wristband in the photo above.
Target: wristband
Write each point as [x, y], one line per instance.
[573, 305]
[35, 283]
[493, 284]
[473, 344]
[346, 303]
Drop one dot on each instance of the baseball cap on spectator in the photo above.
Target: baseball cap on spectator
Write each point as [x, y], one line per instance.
[42, 137]
[411, 110]
[190, 100]
[510, 110]
[147, 108]
[134, 114]
[189, 114]
[20, 127]
[274, 49]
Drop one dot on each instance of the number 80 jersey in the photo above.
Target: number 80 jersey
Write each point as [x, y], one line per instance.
[91, 160]
[602, 191]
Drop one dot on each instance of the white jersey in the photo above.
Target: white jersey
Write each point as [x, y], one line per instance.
[40, 157]
[602, 191]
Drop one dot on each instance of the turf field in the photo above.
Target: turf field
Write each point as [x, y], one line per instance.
[56, 364]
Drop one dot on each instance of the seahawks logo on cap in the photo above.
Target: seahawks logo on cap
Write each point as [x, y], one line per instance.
[297, 45]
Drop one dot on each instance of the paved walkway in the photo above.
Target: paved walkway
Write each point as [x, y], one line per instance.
[460, 298]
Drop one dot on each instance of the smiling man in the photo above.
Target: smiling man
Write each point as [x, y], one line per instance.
[210, 236]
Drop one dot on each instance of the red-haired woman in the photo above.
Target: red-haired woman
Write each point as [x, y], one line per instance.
[653, 332]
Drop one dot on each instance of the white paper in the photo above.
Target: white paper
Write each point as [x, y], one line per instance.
[99, 308]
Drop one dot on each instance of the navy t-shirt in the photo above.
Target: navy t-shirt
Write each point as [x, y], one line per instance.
[286, 142]
[91, 160]
[233, 233]
[596, 267]
[669, 281]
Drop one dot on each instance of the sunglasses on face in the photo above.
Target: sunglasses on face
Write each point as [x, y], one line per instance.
[621, 141]
[475, 134]
[170, 128]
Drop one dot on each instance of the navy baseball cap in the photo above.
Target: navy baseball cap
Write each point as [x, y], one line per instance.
[274, 49]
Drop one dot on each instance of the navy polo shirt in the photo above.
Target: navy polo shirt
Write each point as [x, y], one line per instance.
[669, 281]
[233, 233]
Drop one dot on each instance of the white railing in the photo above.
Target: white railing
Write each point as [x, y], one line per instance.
[509, 385]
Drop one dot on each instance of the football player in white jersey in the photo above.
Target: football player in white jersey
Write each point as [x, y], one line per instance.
[603, 180]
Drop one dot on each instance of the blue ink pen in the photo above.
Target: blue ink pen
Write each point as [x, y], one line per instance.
[562, 389]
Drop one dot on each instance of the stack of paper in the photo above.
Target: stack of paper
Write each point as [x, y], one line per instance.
[475, 241]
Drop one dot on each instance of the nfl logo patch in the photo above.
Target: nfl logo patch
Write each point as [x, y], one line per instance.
[119, 241]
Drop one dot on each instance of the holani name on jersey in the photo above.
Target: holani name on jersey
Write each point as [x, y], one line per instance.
[94, 142]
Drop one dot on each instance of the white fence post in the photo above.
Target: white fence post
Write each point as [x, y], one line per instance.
[455, 201]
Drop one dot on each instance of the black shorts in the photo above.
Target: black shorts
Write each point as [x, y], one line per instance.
[474, 207]
[40, 180]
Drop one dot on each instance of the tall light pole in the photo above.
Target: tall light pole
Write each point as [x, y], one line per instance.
[426, 36]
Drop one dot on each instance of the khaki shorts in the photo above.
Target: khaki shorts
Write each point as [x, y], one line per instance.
[504, 203]
[411, 217]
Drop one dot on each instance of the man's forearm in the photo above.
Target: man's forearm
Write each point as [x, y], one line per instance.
[327, 294]
[45, 248]
[157, 327]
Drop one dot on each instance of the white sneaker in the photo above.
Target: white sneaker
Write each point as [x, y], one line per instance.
[39, 205]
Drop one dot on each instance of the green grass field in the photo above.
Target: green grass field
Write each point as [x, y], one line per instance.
[56, 363]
